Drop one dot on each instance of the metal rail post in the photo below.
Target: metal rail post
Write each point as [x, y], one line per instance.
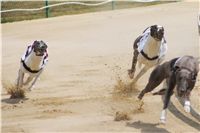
[47, 9]
[113, 5]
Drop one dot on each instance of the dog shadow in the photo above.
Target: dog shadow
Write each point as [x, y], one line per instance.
[172, 108]
[13, 101]
[147, 127]
[194, 113]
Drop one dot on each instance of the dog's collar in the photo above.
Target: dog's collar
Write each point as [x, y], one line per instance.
[29, 69]
[147, 57]
[182, 67]
[173, 61]
[39, 55]
[157, 39]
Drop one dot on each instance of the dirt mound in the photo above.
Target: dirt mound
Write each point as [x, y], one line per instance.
[119, 116]
[12, 90]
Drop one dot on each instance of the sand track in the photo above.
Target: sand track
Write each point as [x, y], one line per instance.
[88, 53]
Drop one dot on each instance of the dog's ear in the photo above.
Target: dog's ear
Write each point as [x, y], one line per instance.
[176, 68]
[153, 30]
[163, 29]
[193, 76]
[154, 27]
[35, 43]
[44, 44]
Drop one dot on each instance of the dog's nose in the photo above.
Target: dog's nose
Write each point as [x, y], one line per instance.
[182, 91]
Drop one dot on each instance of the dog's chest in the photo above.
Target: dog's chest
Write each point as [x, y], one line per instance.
[143, 60]
[34, 62]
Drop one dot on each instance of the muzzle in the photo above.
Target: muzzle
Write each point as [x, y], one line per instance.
[39, 48]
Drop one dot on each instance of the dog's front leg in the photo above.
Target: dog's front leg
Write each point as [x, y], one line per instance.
[171, 85]
[29, 79]
[187, 102]
[187, 106]
[155, 79]
[142, 72]
[34, 81]
[187, 97]
[20, 79]
[131, 72]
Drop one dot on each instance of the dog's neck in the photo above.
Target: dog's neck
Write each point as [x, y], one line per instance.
[152, 48]
[34, 62]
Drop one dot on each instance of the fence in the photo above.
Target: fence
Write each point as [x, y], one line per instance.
[24, 10]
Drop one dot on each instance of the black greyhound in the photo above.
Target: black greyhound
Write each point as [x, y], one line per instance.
[180, 72]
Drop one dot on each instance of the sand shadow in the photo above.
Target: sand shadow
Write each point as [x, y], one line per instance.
[147, 127]
[13, 101]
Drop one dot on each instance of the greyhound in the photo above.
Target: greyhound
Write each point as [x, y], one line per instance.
[149, 49]
[180, 72]
[32, 63]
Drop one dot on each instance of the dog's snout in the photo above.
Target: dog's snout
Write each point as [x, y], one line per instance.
[182, 90]
[182, 87]
[43, 48]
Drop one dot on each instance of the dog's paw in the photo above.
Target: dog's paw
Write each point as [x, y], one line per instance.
[28, 89]
[187, 109]
[163, 117]
[31, 88]
[140, 105]
[162, 121]
[187, 106]
[140, 96]
[130, 74]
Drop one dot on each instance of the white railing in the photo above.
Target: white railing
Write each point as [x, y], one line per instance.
[67, 3]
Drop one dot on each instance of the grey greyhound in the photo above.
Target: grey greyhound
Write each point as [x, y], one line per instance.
[180, 72]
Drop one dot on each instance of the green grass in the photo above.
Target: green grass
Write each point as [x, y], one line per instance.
[59, 10]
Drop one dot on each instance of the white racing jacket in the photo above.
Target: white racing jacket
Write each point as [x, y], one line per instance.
[29, 50]
[142, 43]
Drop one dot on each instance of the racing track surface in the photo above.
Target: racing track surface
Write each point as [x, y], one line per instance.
[86, 54]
